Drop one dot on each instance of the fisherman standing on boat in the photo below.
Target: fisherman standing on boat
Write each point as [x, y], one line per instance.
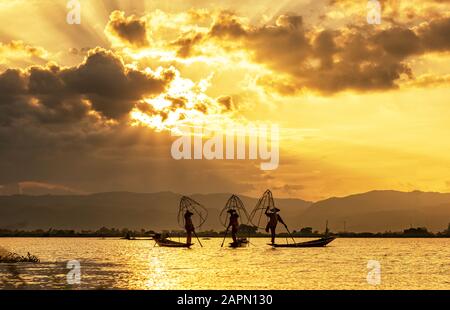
[188, 225]
[274, 218]
[234, 224]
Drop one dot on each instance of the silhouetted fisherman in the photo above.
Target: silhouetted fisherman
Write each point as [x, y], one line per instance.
[234, 224]
[274, 218]
[189, 226]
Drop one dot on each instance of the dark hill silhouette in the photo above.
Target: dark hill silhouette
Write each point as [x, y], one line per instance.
[379, 211]
[117, 209]
[375, 211]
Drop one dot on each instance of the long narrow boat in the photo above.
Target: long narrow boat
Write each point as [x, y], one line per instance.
[242, 242]
[171, 244]
[308, 244]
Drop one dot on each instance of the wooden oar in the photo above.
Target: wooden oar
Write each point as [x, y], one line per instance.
[226, 232]
[289, 232]
[198, 239]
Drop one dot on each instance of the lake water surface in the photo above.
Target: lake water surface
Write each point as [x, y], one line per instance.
[122, 264]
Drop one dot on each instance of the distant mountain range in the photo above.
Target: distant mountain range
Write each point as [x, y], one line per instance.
[379, 211]
[117, 209]
[375, 211]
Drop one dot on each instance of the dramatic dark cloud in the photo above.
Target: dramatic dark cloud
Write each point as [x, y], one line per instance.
[12, 101]
[435, 36]
[66, 129]
[102, 83]
[361, 58]
[130, 29]
[358, 56]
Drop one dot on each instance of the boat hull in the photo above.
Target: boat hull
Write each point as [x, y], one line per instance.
[308, 244]
[172, 244]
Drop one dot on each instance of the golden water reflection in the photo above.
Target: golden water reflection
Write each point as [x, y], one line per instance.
[122, 264]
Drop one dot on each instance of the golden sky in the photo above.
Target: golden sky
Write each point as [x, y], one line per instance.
[86, 108]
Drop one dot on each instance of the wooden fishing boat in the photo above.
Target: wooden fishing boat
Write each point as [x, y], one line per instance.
[242, 242]
[171, 244]
[308, 244]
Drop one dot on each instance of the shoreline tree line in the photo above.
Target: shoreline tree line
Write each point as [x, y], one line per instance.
[244, 231]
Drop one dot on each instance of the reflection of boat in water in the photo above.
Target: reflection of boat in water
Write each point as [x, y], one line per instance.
[308, 244]
[164, 242]
[242, 242]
